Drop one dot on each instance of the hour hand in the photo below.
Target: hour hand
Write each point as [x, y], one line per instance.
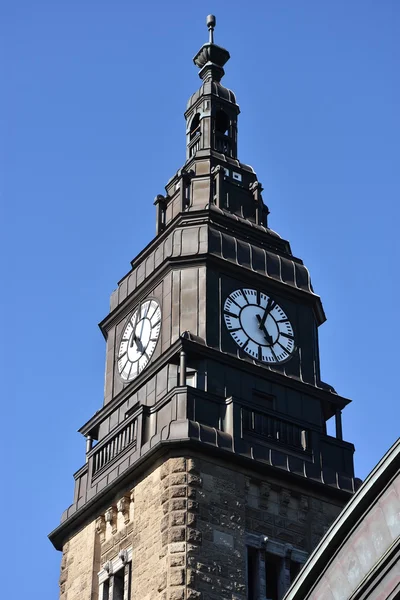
[268, 308]
[264, 329]
[136, 340]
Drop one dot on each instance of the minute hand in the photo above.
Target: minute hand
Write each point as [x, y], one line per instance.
[269, 307]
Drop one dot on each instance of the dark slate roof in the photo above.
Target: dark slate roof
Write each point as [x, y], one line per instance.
[227, 213]
[212, 88]
[258, 259]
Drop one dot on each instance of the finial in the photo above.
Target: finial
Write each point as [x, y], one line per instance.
[211, 58]
[211, 21]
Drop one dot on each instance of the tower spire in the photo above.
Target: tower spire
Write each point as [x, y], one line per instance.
[211, 58]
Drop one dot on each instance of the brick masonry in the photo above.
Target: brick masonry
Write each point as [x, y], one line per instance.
[186, 521]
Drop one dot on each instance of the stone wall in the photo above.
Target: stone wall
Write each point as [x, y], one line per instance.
[186, 522]
[80, 565]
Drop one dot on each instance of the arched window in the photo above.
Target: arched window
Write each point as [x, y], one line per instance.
[195, 126]
[222, 122]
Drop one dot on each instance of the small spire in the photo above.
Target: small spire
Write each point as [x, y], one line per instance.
[211, 22]
[211, 58]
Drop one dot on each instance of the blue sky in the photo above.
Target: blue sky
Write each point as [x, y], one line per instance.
[92, 128]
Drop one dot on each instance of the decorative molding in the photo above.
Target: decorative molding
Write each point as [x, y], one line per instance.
[263, 542]
[123, 508]
[111, 518]
[101, 527]
[115, 565]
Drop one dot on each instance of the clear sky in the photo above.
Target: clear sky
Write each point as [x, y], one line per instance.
[92, 128]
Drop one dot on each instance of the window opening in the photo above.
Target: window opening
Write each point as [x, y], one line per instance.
[295, 569]
[252, 573]
[273, 566]
[115, 577]
[106, 590]
[270, 568]
[195, 126]
[118, 585]
[222, 122]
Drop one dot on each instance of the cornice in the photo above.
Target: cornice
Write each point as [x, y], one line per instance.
[176, 447]
[267, 373]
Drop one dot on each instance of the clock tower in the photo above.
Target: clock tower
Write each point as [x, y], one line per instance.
[209, 472]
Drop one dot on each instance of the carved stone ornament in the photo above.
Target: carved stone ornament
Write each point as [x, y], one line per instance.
[123, 555]
[123, 507]
[101, 526]
[110, 517]
[108, 567]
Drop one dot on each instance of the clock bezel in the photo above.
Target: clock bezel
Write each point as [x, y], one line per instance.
[241, 349]
[120, 340]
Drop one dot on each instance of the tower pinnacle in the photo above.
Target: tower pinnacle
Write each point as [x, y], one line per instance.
[211, 58]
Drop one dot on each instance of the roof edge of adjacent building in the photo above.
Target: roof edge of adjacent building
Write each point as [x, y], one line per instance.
[357, 507]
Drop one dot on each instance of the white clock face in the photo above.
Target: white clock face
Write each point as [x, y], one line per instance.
[139, 339]
[259, 326]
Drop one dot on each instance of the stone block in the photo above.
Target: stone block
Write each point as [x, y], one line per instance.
[177, 479]
[177, 576]
[176, 534]
[193, 505]
[164, 472]
[177, 594]
[191, 519]
[194, 480]
[162, 583]
[177, 547]
[177, 560]
[193, 595]
[223, 539]
[178, 491]
[177, 504]
[178, 465]
[164, 522]
[193, 536]
[177, 518]
[192, 466]
[192, 493]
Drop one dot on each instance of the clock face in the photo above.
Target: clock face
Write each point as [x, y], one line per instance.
[259, 326]
[139, 339]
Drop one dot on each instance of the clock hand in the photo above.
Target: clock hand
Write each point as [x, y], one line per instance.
[267, 336]
[269, 307]
[136, 340]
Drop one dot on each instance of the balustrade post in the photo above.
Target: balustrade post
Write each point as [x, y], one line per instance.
[338, 422]
[160, 203]
[185, 189]
[219, 175]
[256, 188]
[89, 445]
[182, 368]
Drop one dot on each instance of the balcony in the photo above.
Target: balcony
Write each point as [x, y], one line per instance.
[272, 429]
[231, 425]
[105, 453]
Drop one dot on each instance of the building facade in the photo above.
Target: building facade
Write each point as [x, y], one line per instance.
[359, 557]
[209, 472]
